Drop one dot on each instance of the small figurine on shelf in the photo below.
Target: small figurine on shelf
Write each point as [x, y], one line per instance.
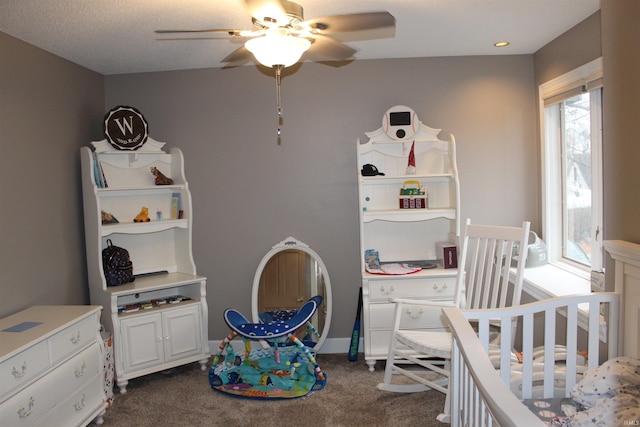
[107, 218]
[160, 178]
[411, 166]
[143, 216]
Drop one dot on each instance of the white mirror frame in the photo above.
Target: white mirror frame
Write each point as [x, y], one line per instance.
[288, 244]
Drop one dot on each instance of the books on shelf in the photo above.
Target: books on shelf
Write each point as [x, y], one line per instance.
[98, 173]
[145, 305]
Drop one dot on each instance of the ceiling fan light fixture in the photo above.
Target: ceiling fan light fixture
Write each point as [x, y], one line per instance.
[277, 48]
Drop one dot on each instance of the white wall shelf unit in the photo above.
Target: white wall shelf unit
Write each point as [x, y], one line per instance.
[401, 235]
[162, 335]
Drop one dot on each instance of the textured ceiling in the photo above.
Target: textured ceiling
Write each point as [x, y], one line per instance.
[117, 36]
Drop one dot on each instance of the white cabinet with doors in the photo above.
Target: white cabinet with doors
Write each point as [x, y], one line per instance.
[159, 320]
[405, 235]
[161, 337]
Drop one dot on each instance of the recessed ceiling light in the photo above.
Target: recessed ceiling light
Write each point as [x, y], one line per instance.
[501, 44]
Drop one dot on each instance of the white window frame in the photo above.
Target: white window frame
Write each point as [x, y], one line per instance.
[588, 76]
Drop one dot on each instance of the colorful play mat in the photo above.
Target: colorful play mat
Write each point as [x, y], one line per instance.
[275, 364]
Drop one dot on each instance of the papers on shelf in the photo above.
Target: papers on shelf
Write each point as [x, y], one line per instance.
[394, 269]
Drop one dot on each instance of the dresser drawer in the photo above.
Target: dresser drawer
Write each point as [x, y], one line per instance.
[73, 338]
[428, 287]
[412, 317]
[76, 372]
[29, 405]
[35, 401]
[23, 367]
[79, 408]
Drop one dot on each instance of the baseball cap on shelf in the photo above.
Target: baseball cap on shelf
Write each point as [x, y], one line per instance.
[370, 170]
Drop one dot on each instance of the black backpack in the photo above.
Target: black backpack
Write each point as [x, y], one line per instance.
[118, 268]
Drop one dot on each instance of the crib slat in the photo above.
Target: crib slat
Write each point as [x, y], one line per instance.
[505, 348]
[549, 351]
[456, 378]
[594, 334]
[572, 347]
[527, 355]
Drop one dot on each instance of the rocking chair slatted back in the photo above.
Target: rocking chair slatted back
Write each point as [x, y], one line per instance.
[488, 252]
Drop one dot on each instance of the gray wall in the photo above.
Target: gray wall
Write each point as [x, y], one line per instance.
[49, 108]
[620, 35]
[250, 193]
[578, 46]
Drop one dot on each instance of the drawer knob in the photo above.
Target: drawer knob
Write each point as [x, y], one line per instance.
[385, 291]
[440, 288]
[24, 412]
[80, 371]
[75, 339]
[415, 315]
[79, 404]
[21, 373]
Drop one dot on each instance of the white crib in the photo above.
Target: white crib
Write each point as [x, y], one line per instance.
[490, 390]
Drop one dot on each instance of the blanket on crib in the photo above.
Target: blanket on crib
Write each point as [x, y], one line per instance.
[609, 394]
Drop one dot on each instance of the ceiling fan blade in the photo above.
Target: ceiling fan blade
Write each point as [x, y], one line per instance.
[229, 31]
[238, 57]
[330, 48]
[351, 22]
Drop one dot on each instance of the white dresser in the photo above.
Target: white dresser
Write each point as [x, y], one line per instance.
[51, 367]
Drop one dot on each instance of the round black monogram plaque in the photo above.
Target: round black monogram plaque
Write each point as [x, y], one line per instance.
[125, 128]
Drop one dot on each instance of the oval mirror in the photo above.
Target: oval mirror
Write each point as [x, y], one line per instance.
[288, 275]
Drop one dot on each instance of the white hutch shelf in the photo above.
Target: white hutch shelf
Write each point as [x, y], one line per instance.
[401, 235]
[164, 335]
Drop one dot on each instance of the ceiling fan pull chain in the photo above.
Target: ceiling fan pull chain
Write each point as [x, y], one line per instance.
[278, 99]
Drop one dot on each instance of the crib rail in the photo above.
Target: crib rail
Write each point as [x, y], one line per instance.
[485, 396]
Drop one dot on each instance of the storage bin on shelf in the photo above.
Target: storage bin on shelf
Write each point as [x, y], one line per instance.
[413, 195]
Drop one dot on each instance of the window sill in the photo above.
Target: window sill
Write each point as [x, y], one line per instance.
[549, 281]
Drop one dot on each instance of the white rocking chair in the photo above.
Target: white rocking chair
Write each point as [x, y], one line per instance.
[482, 282]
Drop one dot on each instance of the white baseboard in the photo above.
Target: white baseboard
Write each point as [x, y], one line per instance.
[330, 346]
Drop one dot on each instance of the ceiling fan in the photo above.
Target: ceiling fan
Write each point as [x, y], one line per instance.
[280, 36]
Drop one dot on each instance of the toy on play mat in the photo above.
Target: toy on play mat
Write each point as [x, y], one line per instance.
[283, 368]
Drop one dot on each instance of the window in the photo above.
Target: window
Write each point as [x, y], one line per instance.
[571, 123]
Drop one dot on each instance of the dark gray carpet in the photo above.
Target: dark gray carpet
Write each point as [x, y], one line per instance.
[183, 397]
